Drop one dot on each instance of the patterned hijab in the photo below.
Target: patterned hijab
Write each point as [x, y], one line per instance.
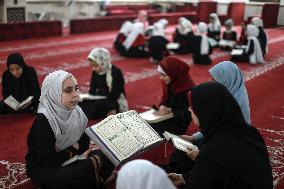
[67, 125]
[142, 174]
[230, 75]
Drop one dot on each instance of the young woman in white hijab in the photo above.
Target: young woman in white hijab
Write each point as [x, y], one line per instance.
[57, 134]
[157, 43]
[202, 47]
[229, 38]
[134, 44]
[107, 80]
[122, 35]
[214, 27]
[183, 35]
[142, 174]
[262, 36]
[253, 53]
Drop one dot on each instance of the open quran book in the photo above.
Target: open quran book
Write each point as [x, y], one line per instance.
[87, 96]
[179, 143]
[150, 117]
[16, 105]
[227, 43]
[235, 52]
[172, 46]
[123, 136]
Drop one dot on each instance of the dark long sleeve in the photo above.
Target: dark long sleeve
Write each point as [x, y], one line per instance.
[41, 146]
[34, 87]
[203, 175]
[251, 49]
[5, 88]
[117, 84]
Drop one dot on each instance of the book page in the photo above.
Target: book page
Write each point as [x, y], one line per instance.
[139, 128]
[118, 138]
[12, 102]
[237, 52]
[172, 45]
[150, 117]
[26, 102]
[179, 143]
[87, 96]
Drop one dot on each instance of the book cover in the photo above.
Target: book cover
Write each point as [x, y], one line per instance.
[150, 117]
[236, 52]
[123, 136]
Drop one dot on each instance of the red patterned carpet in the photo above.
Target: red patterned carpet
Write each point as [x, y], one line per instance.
[264, 86]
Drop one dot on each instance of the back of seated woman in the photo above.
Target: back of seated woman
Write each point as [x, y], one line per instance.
[134, 44]
[202, 48]
[20, 81]
[157, 43]
[106, 80]
[122, 35]
[183, 35]
[253, 53]
[57, 134]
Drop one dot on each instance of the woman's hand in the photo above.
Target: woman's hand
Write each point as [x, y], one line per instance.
[192, 153]
[187, 137]
[163, 110]
[76, 145]
[176, 179]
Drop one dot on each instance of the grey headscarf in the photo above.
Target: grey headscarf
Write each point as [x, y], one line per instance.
[229, 74]
[67, 125]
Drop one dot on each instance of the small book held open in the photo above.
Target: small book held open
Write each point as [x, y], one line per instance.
[235, 52]
[150, 117]
[123, 136]
[87, 96]
[172, 46]
[16, 105]
[179, 143]
[227, 43]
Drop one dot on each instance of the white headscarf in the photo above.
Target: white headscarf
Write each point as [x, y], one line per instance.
[230, 75]
[201, 30]
[164, 22]
[216, 25]
[67, 125]
[158, 29]
[257, 22]
[184, 26]
[142, 174]
[229, 23]
[126, 28]
[256, 56]
[136, 29]
[103, 58]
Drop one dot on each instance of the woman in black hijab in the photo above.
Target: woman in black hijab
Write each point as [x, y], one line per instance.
[232, 155]
[19, 81]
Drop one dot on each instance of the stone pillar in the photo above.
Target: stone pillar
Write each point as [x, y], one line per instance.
[281, 14]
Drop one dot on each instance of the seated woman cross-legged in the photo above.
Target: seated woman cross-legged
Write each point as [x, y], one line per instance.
[202, 48]
[232, 155]
[176, 82]
[107, 80]
[20, 82]
[57, 134]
